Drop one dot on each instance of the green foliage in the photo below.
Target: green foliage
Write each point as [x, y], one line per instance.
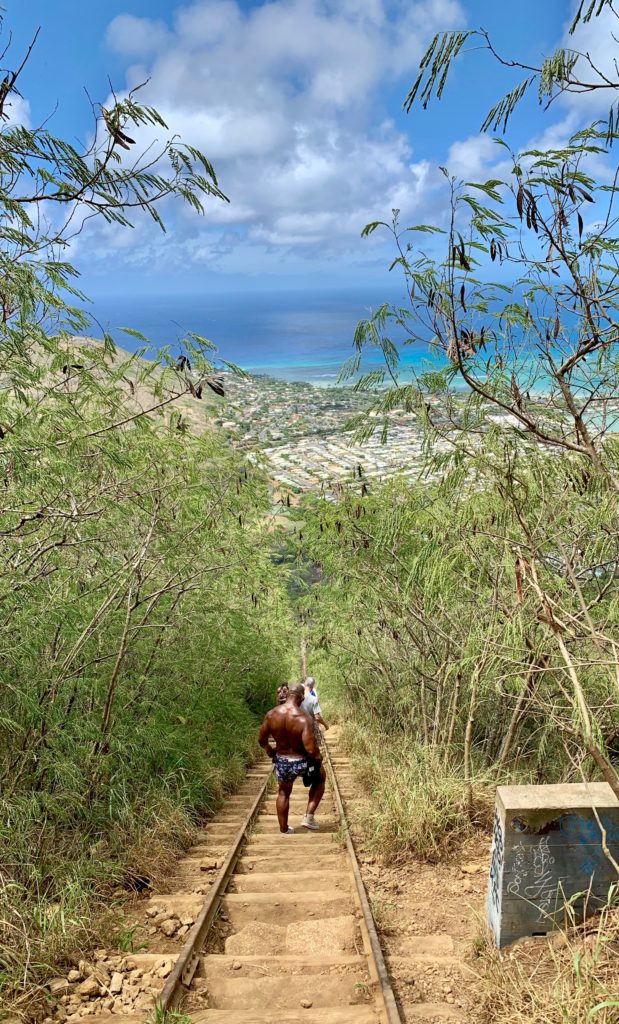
[418, 804]
[484, 601]
[143, 629]
[470, 617]
[434, 67]
[542, 354]
[564, 71]
[143, 624]
[588, 9]
[580, 978]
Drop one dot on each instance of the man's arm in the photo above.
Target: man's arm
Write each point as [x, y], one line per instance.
[263, 738]
[308, 738]
[318, 714]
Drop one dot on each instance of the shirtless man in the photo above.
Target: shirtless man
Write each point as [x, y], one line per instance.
[295, 749]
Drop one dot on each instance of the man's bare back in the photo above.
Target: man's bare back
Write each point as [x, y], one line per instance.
[292, 730]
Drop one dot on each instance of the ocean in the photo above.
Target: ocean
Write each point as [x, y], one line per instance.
[293, 335]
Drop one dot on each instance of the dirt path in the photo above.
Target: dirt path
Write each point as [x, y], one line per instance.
[428, 918]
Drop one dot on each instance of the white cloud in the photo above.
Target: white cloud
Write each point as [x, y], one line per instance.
[470, 158]
[18, 111]
[284, 98]
[597, 42]
[136, 37]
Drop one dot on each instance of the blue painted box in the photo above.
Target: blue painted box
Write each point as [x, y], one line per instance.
[546, 851]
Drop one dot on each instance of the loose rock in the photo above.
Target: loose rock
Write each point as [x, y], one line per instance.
[59, 986]
[90, 987]
[169, 927]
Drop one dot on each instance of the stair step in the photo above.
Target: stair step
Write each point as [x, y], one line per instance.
[271, 908]
[269, 825]
[324, 1015]
[302, 837]
[270, 811]
[236, 992]
[297, 881]
[286, 963]
[294, 858]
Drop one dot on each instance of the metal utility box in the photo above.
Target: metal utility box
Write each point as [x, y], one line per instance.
[546, 850]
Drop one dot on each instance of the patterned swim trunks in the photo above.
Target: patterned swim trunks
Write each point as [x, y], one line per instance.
[287, 769]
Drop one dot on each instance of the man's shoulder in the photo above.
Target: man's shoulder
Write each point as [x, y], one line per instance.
[295, 716]
[280, 713]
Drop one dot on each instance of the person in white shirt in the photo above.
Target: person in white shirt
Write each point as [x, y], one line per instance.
[311, 705]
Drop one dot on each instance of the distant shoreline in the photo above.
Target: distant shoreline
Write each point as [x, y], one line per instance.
[320, 377]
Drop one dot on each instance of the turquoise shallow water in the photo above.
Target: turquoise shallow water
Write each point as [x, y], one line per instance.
[292, 335]
[296, 336]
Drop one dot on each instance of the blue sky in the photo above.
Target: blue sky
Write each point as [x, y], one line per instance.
[298, 104]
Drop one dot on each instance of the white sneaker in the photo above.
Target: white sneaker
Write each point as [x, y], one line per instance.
[310, 822]
[289, 831]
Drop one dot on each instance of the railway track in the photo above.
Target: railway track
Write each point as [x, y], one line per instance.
[282, 935]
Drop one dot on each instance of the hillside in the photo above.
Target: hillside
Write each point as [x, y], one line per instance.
[146, 383]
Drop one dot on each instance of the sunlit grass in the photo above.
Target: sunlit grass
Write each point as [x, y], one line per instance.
[416, 804]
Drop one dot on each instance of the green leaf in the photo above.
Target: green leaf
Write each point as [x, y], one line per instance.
[371, 227]
[134, 334]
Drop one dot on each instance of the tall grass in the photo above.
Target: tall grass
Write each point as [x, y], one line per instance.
[61, 877]
[573, 979]
[416, 803]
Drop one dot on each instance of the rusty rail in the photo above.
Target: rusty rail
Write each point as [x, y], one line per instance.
[392, 1014]
[188, 959]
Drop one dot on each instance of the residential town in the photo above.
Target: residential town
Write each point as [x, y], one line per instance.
[307, 437]
[321, 463]
[261, 410]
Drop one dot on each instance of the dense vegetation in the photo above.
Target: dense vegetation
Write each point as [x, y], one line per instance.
[142, 622]
[469, 621]
[473, 619]
[134, 663]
